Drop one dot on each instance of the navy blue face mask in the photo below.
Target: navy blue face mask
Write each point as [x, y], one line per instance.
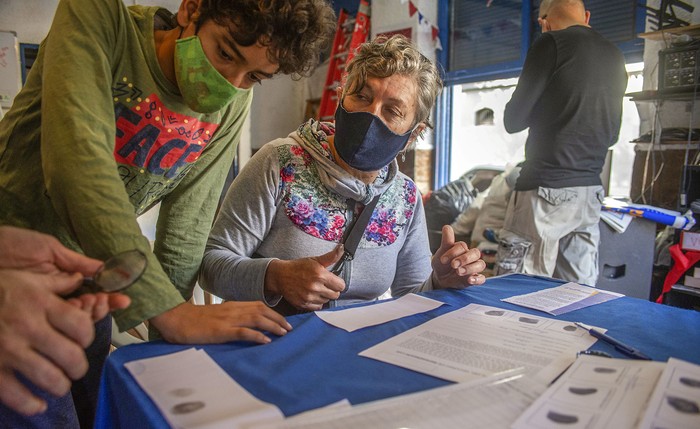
[364, 142]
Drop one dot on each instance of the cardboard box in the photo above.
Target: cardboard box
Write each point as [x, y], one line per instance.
[692, 281]
[690, 241]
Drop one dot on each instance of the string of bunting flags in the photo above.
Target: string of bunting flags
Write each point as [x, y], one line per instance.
[424, 22]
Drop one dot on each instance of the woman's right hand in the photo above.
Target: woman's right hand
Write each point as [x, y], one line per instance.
[305, 283]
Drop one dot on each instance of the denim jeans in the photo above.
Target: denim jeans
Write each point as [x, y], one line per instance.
[77, 408]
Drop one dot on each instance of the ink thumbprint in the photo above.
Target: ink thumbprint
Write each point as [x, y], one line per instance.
[570, 328]
[495, 313]
[583, 390]
[528, 320]
[187, 407]
[182, 392]
[603, 370]
[690, 382]
[562, 418]
[683, 405]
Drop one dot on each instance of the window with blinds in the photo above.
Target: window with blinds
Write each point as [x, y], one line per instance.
[490, 38]
[482, 35]
[615, 20]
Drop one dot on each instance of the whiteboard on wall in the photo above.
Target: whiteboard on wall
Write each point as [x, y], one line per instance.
[10, 71]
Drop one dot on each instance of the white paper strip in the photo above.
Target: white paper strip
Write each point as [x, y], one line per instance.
[353, 319]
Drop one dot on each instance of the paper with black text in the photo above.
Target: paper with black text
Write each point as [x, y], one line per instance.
[562, 299]
[478, 340]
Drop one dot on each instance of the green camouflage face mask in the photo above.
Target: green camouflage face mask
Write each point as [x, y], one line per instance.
[203, 88]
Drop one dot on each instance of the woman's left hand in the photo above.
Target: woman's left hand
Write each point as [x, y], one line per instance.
[455, 265]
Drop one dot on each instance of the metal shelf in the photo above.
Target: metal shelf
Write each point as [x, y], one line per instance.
[690, 30]
[653, 95]
[686, 289]
[646, 146]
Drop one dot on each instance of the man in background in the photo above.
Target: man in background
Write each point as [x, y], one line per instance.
[570, 96]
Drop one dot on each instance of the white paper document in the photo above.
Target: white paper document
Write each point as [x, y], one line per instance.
[477, 341]
[596, 392]
[192, 391]
[675, 402]
[488, 403]
[562, 299]
[353, 319]
[617, 221]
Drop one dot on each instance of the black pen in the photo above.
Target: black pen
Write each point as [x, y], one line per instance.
[622, 347]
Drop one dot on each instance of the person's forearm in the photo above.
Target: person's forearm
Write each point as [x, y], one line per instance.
[233, 277]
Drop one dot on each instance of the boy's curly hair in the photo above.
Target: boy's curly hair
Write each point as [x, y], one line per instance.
[296, 31]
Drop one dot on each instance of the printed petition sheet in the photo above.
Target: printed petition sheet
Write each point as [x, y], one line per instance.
[477, 341]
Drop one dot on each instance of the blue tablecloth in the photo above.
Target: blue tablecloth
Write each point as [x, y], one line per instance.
[317, 364]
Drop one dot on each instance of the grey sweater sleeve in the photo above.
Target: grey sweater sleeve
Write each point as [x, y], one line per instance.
[413, 269]
[228, 269]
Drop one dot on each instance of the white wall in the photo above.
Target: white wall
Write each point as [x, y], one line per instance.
[278, 107]
[31, 19]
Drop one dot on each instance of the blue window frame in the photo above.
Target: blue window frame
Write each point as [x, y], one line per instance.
[483, 42]
[27, 53]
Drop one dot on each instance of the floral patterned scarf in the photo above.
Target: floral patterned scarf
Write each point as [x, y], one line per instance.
[312, 136]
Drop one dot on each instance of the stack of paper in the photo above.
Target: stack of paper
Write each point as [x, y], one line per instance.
[617, 221]
[618, 393]
[487, 403]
